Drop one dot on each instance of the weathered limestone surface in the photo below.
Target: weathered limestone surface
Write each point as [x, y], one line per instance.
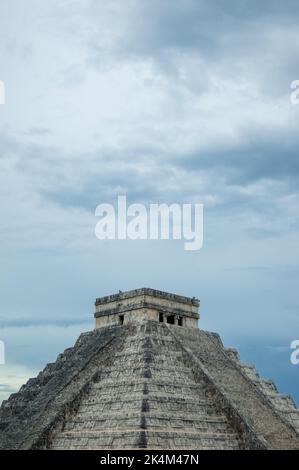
[148, 398]
[262, 414]
[283, 404]
[148, 384]
[28, 418]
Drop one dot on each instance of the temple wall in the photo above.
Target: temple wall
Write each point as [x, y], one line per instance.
[146, 304]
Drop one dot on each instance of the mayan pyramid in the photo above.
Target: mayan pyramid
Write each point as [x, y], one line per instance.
[148, 377]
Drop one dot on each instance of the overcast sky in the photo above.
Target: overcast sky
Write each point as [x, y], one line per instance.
[165, 101]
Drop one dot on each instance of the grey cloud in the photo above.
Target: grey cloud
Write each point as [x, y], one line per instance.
[234, 39]
[260, 154]
[197, 24]
[38, 131]
[61, 321]
[151, 175]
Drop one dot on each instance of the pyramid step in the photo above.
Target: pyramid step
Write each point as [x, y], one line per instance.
[105, 439]
[158, 424]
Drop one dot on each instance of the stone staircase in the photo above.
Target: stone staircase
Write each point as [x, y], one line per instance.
[283, 404]
[147, 398]
[29, 418]
[255, 400]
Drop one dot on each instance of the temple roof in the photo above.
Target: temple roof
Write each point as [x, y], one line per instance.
[149, 292]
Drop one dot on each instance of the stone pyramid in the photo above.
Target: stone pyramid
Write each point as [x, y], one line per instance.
[148, 378]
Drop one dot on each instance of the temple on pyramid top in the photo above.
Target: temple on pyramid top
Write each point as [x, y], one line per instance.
[146, 304]
[146, 377]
